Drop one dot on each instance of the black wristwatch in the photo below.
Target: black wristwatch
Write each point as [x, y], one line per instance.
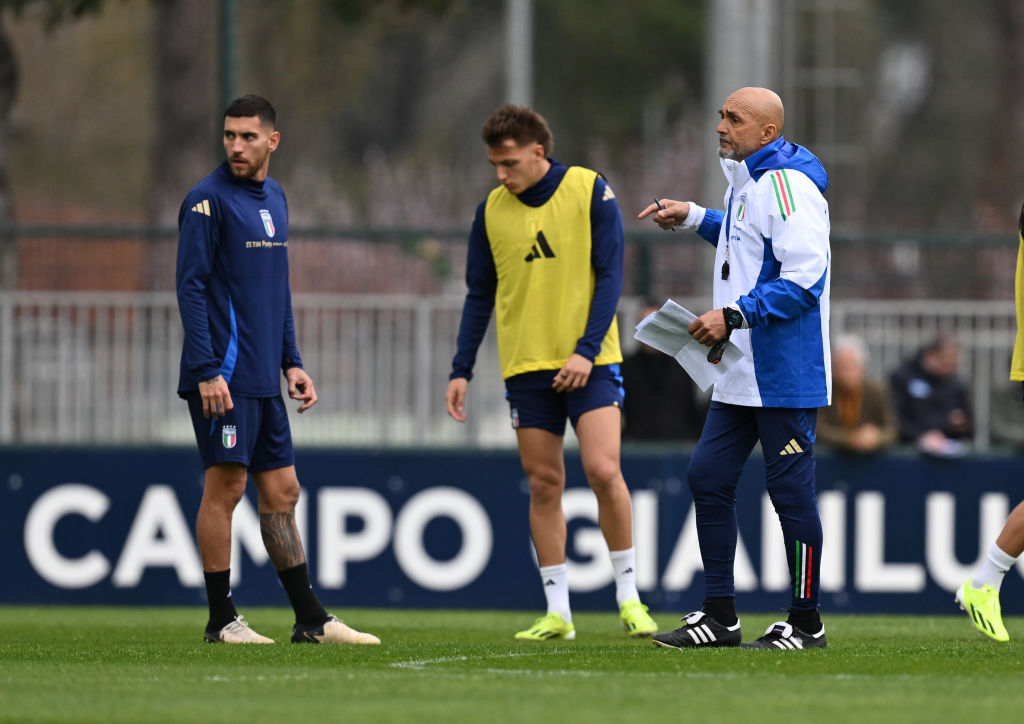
[733, 319]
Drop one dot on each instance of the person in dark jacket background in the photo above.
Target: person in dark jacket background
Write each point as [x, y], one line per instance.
[662, 403]
[931, 401]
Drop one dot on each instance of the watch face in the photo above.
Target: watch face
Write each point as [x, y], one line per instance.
[733, 319]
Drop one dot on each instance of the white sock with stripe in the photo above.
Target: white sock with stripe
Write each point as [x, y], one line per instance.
[555, 580]
[624, 571]
[994, 568]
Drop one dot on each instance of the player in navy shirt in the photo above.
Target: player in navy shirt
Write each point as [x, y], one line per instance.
[235, 303]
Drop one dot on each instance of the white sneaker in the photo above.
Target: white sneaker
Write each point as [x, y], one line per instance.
[333, 631]
[236, 632]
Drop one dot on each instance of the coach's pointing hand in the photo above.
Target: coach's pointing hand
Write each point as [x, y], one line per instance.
[671, 214]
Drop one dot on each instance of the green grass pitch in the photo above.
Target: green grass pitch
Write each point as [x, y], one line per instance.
[150, 665]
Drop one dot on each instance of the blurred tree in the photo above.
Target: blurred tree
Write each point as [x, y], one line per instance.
[8, 91]
[53, 12]
[1002, 187]
[187, 139]
[647, 57]
[186, 63]
[948, 159]
[381, 107]
[354, 11]
[386, 99]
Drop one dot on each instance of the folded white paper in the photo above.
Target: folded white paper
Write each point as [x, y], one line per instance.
[665, 330]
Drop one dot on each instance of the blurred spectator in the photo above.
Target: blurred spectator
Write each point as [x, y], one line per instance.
[861, 419]
[662, 402]
[931, 401]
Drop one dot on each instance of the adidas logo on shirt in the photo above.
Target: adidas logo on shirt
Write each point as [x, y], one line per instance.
[792, 448]
[540, 249]
[203, 207]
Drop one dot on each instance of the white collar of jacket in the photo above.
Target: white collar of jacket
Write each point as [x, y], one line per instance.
[736, 172]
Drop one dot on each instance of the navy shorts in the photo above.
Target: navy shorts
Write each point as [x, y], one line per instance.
[255, 433]
[534, 403]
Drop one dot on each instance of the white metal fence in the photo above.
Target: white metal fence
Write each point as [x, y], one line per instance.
[101, 368]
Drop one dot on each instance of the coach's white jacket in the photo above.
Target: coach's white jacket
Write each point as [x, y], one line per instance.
[774, 235]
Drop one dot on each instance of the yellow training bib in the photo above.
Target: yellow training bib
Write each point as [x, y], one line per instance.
[545, 277]
[1017, 363]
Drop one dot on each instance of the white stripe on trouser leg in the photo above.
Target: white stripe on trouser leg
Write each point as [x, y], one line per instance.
[802, 573]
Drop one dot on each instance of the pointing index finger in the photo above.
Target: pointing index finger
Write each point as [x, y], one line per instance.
[651, 208]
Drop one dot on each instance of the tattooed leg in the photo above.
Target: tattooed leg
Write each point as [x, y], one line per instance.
[281, 538]
[279, 493]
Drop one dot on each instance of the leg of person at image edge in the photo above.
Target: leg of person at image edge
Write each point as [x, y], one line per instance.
[728, 438]
[278, 494]
[979, 596]
[542, 457]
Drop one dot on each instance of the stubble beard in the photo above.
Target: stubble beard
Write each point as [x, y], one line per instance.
[245, 173]
[728, 153]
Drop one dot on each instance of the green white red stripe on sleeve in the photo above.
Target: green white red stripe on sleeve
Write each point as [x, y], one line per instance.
[783, 193]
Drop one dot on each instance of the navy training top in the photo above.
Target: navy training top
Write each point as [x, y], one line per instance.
[232, 282]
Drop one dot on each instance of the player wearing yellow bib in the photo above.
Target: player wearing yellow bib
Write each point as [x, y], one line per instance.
[979, 596]
[545, 251]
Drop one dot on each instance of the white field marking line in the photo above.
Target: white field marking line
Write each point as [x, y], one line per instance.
[420, 664]
[541, 673]
[695, 675]
[581, 673]
[220, 679]
[585, 673]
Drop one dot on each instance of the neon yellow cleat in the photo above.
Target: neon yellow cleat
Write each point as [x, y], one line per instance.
[545, 628]
[982, 605]
[635, 620]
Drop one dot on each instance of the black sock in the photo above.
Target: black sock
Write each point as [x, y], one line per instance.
[308, 610]
[806, 621]
[722, 610]
[218, 593]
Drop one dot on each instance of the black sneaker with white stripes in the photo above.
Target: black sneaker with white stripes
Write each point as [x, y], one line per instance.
[781, 635]
[700, 631]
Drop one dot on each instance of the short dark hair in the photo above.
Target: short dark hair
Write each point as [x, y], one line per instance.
[520, 123]
[249, 106]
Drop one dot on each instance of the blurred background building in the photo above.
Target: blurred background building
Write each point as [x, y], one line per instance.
[110, 111]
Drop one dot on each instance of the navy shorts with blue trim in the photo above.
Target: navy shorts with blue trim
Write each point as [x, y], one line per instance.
[534, 403]
[255, 433]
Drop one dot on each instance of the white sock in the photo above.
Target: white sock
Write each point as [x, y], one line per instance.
[555, 580]
[995, 566]
[624, 570]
